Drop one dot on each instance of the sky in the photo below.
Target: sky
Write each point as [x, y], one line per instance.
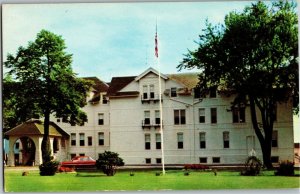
[117, 39]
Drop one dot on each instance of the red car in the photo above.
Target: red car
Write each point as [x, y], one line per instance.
[77, 162]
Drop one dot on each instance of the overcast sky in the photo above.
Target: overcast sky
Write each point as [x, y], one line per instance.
[116, 39]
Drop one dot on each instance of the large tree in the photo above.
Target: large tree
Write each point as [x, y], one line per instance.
[41, 82]
[253, 55]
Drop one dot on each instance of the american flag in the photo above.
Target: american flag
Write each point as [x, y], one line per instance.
[156, 45]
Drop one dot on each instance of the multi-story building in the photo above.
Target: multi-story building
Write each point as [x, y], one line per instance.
[124, 116]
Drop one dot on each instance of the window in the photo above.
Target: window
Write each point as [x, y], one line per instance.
[100, 119]
[179, 117]
[73, 139]
[152, 91]
[203, 160]
[173, 92]
[202, 140]
[104, 99]
[72, 156]
[213, 92]
[157, 117]
[81, 139]
[55, 145]
[275, 139]
[238, 115]
[158, 160]
[226, 139]
[201, 115]
[100, 138]
[274, 159]
[147, 117]
[147, 142]
[216, 159]
[82, 154]
[58, 120]
[145, 92]
[213, 115]
[180, 140]
[158, 140]
[148, 160]
[90, 141]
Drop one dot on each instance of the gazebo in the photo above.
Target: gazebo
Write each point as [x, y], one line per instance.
[25, 142]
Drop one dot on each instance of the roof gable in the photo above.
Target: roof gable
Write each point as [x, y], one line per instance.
[36, 127]
[118, 83]
[150, 70]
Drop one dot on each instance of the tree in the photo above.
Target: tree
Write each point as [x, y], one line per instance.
[108, 162]
[255, 56]
[16, 110]
[41, 82]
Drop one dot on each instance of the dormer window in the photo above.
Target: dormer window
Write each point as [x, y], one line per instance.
[173, 92]
[104, 99]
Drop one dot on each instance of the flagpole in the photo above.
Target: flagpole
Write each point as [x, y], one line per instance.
[160, 104]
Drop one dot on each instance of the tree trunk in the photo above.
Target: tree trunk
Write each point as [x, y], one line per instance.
[46, 147]
[264, 140]
[266, 150]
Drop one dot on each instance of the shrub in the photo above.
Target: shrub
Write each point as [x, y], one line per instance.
[48, 168]
[187, 173]
[253, 165]
[286, 168]
[108, 162]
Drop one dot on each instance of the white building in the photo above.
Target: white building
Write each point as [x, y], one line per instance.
[124, 117]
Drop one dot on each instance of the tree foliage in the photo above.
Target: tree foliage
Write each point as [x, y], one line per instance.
[254, 55]
[41, 82]
[108, 162]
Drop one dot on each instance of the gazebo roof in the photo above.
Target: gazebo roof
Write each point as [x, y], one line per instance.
[36, 127]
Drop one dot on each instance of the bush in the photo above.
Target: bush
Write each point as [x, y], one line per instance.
[187, 173]
[286, 168]
[108, 162]
[253, 165]
[48, 168]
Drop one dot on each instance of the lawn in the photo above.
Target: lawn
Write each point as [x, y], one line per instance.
[143, 180]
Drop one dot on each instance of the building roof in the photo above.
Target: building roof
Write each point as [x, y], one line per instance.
[36, 127]
[187, 80]
[118, 83]
[98, 87]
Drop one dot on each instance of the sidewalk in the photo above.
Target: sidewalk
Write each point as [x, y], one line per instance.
[20, 168]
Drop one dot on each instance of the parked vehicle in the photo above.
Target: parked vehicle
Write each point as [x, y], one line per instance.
[77, 163]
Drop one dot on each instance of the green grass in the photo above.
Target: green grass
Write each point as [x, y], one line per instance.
[143, 180]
